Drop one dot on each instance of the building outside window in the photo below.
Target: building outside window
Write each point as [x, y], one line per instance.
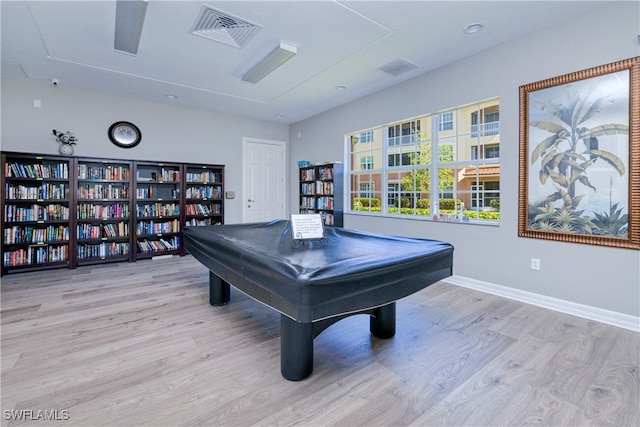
[403, 133]
[366, 162]
[445, 122]
[485, 122]
[366, 136]
[441, 166]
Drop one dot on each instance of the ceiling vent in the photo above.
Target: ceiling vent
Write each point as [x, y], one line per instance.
[224, 28]
[397, 67]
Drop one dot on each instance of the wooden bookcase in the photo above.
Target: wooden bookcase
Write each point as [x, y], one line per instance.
[321, 191]
[103, 211]
[203, 194]
[158, 223]
[60, 211]
[36, 204]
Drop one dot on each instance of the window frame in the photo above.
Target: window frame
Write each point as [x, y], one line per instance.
[407, 133]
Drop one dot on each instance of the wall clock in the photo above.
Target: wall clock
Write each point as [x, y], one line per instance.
[124, 134]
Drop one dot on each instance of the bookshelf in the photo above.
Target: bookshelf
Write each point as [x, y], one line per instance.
[36, 219]
[203, 194]
[321, 191]
[158, 221]
[103, 211]
[61, 211]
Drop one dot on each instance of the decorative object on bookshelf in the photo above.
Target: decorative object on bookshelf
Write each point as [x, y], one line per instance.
[67, 141]
[125, 134]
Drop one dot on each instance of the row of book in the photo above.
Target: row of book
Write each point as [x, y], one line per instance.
[28, 234]
[204, 192]
[194, 222]
[307, 188]
[46, 190]
[308, 202]
[91, 211]
[158, 209]
[149, 192]
[327, 218]
[204, 177]
[95, 231]
[325, 173]
[324, 203]
[307, 174]
[103, 191]
[102, 250]
[35, 212]
[41, 254]
[154, 227]
[200, 209]
[159, 245]
[162, 175]
[114, 173]
[319, 187]
[36, 170]
[324, 187]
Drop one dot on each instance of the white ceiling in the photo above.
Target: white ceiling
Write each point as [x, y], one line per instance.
[339, 43]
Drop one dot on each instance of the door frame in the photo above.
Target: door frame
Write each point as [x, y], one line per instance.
[285, 184]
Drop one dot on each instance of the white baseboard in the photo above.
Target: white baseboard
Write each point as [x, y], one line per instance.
[592, 313]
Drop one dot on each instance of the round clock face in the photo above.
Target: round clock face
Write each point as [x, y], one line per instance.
[124, 134]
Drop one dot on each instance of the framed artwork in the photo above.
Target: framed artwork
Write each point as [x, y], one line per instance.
[580, 157]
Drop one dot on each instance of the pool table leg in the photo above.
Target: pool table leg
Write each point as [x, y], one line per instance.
[219, 290]
[296, 349]
[382, 323]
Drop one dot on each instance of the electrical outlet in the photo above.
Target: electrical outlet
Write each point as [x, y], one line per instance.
[535, 264]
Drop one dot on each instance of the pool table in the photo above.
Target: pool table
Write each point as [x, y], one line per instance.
[315, 283]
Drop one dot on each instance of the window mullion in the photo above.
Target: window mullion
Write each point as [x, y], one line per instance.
[434, 184]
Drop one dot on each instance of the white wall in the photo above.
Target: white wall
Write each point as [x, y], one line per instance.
[600, 277]
[168, 133]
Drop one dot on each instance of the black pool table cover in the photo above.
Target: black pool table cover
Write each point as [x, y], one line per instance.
[349, 272]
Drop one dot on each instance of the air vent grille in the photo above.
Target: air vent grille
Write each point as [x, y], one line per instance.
[222, 27]
[397, 67]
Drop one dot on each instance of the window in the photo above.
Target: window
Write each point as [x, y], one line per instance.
[487, 151]
[366, 162]
[366, 136]
[393, 197]
[366, 190]
[484, 193]
[486, 122]
[443, 166]
[400, 159]
[405, 133]
[445, 122]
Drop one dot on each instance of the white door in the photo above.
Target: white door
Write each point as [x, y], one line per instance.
[264, 183]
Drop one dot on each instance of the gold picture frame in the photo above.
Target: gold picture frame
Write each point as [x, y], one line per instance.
[580, 157]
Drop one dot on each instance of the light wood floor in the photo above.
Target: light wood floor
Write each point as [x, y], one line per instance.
[139, 344]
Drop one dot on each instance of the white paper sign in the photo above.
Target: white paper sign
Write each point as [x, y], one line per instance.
[307, 226]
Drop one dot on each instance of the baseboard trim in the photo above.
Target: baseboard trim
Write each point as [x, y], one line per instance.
[592, 313]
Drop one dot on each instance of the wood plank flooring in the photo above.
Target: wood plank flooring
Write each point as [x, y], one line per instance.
[139, 344]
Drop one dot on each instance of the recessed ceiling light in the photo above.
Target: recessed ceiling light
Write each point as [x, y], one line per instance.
[171, 96]
[341, 88]
[473, 28]
[278, 116]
